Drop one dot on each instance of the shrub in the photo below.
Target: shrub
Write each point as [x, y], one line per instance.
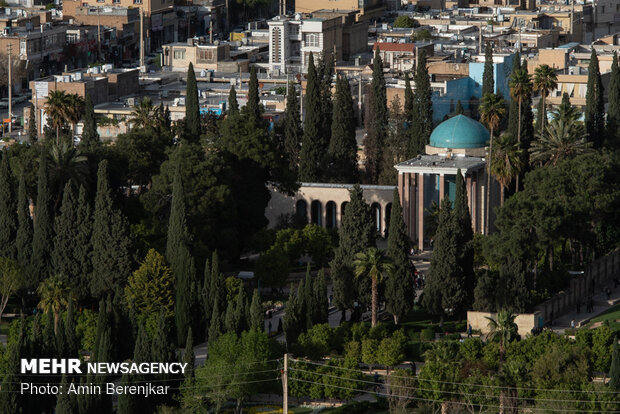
[427, 334]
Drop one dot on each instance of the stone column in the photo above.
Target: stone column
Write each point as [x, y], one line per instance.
[442, 187]
[420, 211]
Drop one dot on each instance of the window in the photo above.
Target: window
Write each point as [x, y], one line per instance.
[205, 55]
[179, 54]
[116, 1]
[137, 1]
[312, 39]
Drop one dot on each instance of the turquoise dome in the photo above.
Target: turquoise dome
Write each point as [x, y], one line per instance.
[459, 132]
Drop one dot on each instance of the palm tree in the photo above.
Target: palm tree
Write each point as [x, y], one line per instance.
[75, 109]
[545, 80]
[563, 139]
[506, 163]
[504, 329]
[55, 294]
[57, 108]
[143, 114]
[520, 89]
[492, 109]
[372, 263]
[64, 163]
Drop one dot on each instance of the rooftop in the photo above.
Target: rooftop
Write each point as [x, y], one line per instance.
[435, 163]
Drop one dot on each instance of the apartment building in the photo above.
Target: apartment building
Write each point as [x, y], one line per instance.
[366, 9]
[41, 48]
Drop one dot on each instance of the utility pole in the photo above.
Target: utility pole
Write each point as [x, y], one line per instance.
[480, 39]
[285, 386]
[142, 41]
[10, 92]
[98, 36]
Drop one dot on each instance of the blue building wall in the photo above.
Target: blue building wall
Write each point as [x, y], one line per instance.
[465, 89]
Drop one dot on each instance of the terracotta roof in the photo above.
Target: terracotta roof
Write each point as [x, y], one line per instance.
[394, 47]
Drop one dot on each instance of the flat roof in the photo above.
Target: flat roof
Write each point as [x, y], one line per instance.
[436, 164]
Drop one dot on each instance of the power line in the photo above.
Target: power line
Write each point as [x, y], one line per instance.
[457, 383]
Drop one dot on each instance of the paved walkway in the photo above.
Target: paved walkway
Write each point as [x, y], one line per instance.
[601, 304]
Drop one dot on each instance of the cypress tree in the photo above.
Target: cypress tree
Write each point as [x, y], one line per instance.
[257, 316]
[83, 243]
[539, 114]
[314, 145]
[356, 234]
[141, 353]
[614, 371]
[233, 105]
[217, 290]
[24, 228]
[527, 123]
[464, 237]
[90, 136]
[215, 328]
[376, 121]
[49, 337]
[63, 256]
[181, 260]
[205, 296]
[595, 106]
[613, 98]
[325, 75]
[110, 241]
[342, 150]
[230, 324]
[321, 302]
[192, 110]
[65, 404]
[408, 100]
[43, 229]
[162, 350]
[71, 340]
[400, 293]
[253, 108]
[308, 293]
[188, 356]
[101, 317]
[8, 209]
[292, 126]
[241, 320]
[303, 307]
[422, 121]
[459, 108]
[488, 81]
[127, 402]
[513, 112]
[444, 287]
[61, 340]
[142, 349]
[32, 127]
[292, 318]
[9, 397]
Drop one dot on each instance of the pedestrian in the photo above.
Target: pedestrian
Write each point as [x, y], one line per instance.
[608, 292]
[572, 324]
[469, 331]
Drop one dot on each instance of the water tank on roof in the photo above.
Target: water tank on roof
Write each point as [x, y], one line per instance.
[66, 78]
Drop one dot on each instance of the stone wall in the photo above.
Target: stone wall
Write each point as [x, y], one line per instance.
[596, 277]
[525, 321]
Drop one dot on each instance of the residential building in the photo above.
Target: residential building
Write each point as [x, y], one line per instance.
[208, 56]
[366, 9]
[401, 57]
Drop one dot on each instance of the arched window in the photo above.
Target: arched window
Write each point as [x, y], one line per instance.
[330, 215]
[301, 210]
[316, 213]
[343, 207]
[376, 214]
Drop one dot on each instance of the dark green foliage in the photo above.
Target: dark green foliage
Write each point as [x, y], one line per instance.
[67, 228]
[111, 259]
[464, 237]
[314, 144]
[376, 121]
[485, 293]
[128, 403]
[257, 316]
[396, 144]
[230, 324]
[162, 349]
[613, 97]
[70, 339]
[325, 73]
[181, 261]
[445, 290]
[90, 136]
[24, 229]
[293, 318]
[309, 303]
[9, 397]
[205, 296]
[144, 150]
[292, 126]
[356, 234]
[32, 126]
[65, 403]
[321, 302]
[408, 99]
[512, 290]
[459, 108]
[253, 108]
[595, 105]
[83, 244]
[539, 114]
[614, 371]
[400, 293]
[188, 355]
[142, 349]
[8, 209]
[192, 110]
[343, 146]
[488, 81]
[240, 316]
[422, 120]
[43, 232]
[215, 327]
[233, 105]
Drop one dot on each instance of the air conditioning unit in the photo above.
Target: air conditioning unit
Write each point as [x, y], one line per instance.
[131, 101]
